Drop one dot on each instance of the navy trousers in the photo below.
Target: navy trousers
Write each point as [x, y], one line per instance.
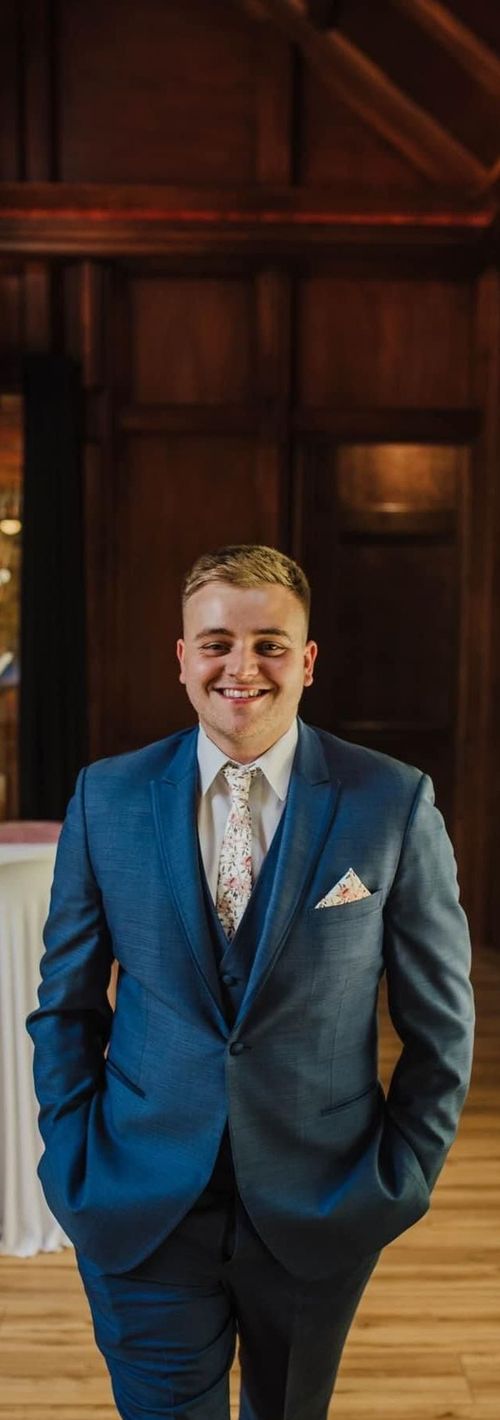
[168, 1328]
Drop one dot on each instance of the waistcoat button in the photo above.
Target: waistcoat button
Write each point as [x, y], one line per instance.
[229, 980]
[237, 1047]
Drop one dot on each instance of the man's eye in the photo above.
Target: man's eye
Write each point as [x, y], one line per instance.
[216, 646]
[267, 647]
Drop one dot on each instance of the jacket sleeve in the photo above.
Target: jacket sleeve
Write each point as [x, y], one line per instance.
[71, 1026]
[427, 956]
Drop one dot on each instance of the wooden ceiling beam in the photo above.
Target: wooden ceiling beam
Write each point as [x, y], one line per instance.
[364, 87]
[457, 39]
[66, 219]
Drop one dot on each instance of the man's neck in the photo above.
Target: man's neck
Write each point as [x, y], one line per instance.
[239, 756]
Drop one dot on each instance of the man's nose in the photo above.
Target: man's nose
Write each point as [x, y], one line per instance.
[242, 663]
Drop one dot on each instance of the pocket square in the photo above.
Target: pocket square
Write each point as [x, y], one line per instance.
[348, 889]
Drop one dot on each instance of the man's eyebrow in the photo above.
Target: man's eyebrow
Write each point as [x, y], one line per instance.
[223, 631]
[272, 631]
[212, 631]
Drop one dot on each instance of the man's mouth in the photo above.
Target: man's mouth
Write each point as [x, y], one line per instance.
[229, 693]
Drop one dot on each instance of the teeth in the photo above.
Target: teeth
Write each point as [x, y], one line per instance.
[240, 694]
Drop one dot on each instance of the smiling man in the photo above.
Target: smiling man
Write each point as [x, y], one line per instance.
[231, 1169]
[245, 660]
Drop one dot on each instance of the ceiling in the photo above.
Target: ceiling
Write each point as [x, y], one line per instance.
[423, 73]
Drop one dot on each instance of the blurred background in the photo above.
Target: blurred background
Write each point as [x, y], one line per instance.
[250, 291]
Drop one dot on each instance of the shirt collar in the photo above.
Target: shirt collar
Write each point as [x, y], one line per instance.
[275, 763]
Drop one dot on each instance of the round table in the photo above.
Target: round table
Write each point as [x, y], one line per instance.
[26, 868]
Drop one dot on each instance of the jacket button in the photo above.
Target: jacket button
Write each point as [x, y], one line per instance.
[229, 980]
[237, 1047]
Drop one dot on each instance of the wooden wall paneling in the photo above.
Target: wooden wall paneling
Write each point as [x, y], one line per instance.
[199, 382]
[178, 496]
[37, 91]
[193, 339]
[88, 309]
[460, 41]
[481, 759]
[121, 333]
[366, 88]
[275, 70]
[397, 477]
[86, 287]
[156, 92]
[246, 222]
[314, 541]
[492, 890]
[117, 393]
[26, 314]
[37, 306]
[338, 149]
[483, 16]
[273, 390]
[201, 419]
[273, 296]
[370, 521]
[416, 61]
[390, 342]
[115, 349]
[466, 737]
[10, 83]
[10, 317]
[96, 503]
[397, 640]
[448, 426]
[269, 494]
[198, 419]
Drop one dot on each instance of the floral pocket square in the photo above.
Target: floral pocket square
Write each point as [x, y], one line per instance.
[348, 889]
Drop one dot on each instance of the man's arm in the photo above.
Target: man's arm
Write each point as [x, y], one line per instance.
[70, 1028]
[427, 955]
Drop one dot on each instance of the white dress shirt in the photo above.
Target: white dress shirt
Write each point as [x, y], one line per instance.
[268, 792]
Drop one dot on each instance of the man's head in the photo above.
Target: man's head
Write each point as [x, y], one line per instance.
[244, 656]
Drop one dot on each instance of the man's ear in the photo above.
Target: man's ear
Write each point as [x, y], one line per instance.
[180, 649]
[311, 652]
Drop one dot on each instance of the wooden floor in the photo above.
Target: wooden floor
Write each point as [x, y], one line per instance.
[426, 1341]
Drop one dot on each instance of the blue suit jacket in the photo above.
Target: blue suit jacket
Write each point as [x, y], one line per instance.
[328, 1169]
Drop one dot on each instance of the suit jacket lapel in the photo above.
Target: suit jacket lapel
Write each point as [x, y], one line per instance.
[310, 809]
[175, 813]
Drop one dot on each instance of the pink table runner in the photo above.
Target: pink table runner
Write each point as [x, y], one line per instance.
[29, 831]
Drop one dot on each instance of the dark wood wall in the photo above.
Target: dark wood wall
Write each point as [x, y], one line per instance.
[288, 331]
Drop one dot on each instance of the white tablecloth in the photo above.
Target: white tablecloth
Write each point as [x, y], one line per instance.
[26, 1224]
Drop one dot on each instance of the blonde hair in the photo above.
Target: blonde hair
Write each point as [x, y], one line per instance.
[248, 564]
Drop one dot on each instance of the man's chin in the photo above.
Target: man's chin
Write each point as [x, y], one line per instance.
[237, 731]
[238, 728]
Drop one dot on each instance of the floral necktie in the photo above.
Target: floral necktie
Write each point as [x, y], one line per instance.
[234, 881]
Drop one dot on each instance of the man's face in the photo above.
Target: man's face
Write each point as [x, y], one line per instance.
[245, 661]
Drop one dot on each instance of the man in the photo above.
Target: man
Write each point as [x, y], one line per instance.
[232, 1167]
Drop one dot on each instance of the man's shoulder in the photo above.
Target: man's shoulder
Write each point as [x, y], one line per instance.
[139, 765]
[360, 766]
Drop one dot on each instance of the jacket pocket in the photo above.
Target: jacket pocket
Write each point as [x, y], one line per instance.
[353, 1099]
[130, 1084]
[346, 912]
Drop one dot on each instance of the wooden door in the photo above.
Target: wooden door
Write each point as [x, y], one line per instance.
[381, 531]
